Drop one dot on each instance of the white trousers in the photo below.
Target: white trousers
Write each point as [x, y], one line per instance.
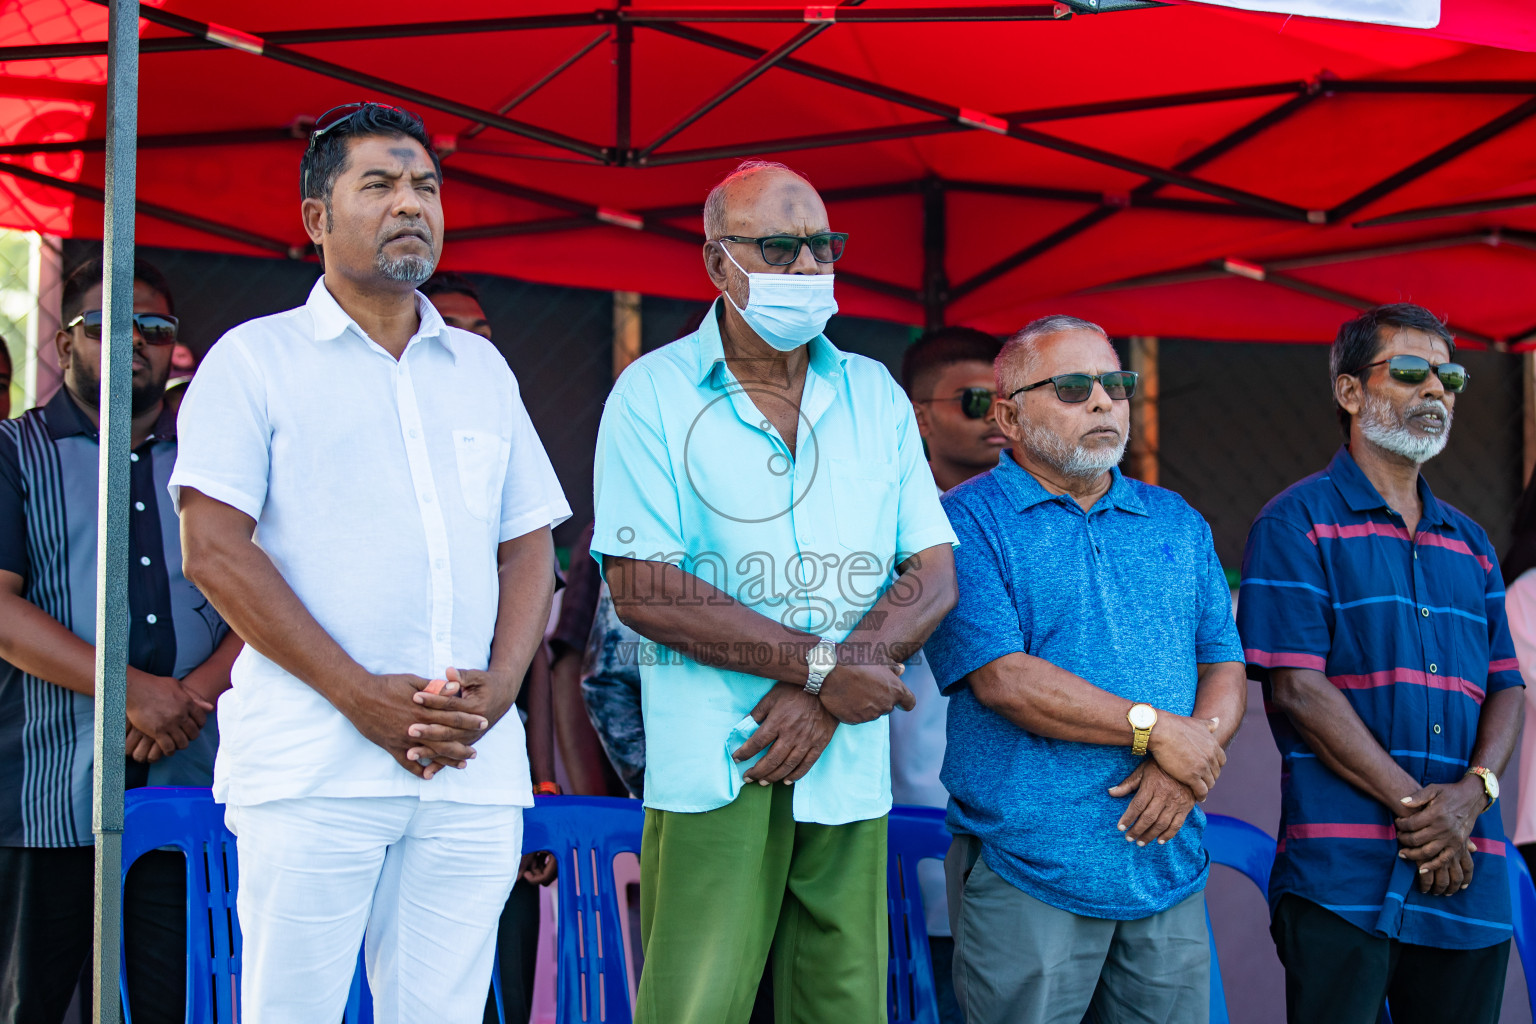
[426, 880]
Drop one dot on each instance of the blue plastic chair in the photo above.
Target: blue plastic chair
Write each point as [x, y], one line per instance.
[190, 821]
[1248, 849]
[915, 834]
[586, 834]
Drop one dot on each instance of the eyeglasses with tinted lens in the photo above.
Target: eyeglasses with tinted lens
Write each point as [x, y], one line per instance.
[157, 328]
[1416, 369]
[975, 403]
[337, 115]
[1076, 387]
[782, 250]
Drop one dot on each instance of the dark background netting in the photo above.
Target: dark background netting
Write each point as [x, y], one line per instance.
[1239, 422]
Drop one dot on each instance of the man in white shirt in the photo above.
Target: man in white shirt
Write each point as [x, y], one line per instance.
[365, 500]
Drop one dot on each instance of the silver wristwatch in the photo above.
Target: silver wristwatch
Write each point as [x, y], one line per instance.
[821, 660]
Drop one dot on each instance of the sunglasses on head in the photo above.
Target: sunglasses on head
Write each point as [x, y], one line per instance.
[340, 114]
[782, 250]
[1076, 387]
[156, 328]
[975, 403]
[1416, 370]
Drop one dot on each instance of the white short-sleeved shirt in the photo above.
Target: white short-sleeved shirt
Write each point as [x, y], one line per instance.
[1520, 604]
[380, 490]
[688, 471]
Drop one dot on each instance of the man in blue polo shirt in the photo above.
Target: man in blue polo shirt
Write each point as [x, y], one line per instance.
[1374, 616]
[1094, 675]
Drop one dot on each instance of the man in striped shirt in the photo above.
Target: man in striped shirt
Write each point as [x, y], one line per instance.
[1373, 614]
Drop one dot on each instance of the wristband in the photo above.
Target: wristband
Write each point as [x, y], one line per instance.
[546, 789]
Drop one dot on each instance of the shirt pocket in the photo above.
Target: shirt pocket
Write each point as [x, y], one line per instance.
[482, 462]
[864, 502]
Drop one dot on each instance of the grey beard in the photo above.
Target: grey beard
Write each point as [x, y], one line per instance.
[413, 270]
[1072, 460]
[1385, 428]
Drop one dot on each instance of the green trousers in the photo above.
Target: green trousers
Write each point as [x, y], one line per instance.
[718, 890]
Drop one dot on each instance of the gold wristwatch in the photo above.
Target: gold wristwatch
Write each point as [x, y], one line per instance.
[1142, 718]
[1490, 783]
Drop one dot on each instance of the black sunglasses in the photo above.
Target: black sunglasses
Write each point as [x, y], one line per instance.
[782, 250]
[1076, 387]
[339, 115]
[1416, 369]
[157, 328]
[975, 403]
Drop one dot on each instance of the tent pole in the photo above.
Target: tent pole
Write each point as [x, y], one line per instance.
[1528, 421]
[623, 90]
[1144, 423]
[935, 244]
[112, 504]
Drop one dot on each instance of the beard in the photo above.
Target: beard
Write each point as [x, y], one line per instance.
[1384, 426]
[1072, 460]
[85, 384]
[411, 269]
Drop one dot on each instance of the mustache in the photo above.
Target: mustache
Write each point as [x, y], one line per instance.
[1433, 405]
[420, 231]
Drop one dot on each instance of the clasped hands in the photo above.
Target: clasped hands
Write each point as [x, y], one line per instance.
[1433, 830]
[164, 715]
[1183, 761]
[795, 726]
[425, 731]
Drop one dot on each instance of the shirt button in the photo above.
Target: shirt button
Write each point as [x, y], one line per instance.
[138, 506]
[150, 618]
[1437, 730]
[413, 431]
[133, 456]
[1424, 612]
[439, 564]
[442, 636]
[1433, 668]
[143, 559]
[426, 499]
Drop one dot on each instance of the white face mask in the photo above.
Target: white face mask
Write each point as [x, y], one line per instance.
[785, 310]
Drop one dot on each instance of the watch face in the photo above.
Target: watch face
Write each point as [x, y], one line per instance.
[1142, 716]
[1491, 784]
[822, 659]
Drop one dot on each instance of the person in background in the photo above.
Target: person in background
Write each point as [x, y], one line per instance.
[947, 373]
[371, 770]
[458, 302]
[1519, 572]
[183, 366]
[7, 370]
[1373, 614]
[517, 934]
[1095, 676]
[179, 658]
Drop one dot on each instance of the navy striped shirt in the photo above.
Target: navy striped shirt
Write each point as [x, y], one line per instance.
[1412, 630]
[48, 489]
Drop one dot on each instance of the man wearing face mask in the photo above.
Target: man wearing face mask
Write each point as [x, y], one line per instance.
[764, 514]
[1373, 613]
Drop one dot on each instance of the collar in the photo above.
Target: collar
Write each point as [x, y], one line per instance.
[331, 321]
[827, 360]
[1025, 492]
[66, 419]
[1362, 496]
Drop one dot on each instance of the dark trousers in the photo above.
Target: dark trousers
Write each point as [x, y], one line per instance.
[1336, 973]
[46, 899]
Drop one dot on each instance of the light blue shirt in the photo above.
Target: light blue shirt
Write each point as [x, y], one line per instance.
[689, 472]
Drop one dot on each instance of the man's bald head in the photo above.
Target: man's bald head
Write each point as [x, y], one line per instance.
[741, 187]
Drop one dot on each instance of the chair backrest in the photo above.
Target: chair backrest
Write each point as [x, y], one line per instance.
[1250, 850]
[586, 834]
[189, 820]
[915, 834]
[1522, 901]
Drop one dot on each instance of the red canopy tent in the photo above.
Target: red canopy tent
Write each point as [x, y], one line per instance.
[1183, 170]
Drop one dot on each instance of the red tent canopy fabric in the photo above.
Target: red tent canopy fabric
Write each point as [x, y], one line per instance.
[1183, 170]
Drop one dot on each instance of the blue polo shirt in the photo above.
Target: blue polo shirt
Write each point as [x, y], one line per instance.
[1131, 597]
[1412, 631]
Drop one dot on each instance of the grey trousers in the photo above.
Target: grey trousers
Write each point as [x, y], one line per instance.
[1021, 961]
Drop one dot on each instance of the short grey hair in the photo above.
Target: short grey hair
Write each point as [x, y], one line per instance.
[1013, 364]
[714, 203]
